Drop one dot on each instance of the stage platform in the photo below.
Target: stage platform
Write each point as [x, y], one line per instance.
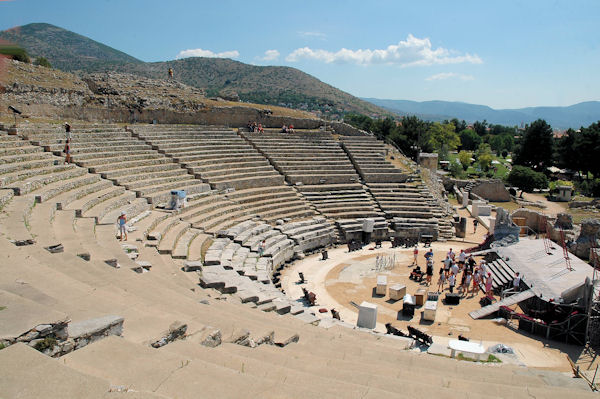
[547, 274]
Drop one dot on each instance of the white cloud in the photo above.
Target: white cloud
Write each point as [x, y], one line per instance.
[449, 75]
[206, 53]
[410, 52]
[313, 35]
[270, 55]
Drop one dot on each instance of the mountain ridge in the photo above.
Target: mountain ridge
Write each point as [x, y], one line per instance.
[572, 116]
[274, 85]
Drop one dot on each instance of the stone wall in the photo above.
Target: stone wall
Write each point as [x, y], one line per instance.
[428, 161]
[346, 130]
[588, 238]
[536, 221]
[489, 189]
[492, 190]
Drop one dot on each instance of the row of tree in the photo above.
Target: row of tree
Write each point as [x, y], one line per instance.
[534, 148]
[412, 134]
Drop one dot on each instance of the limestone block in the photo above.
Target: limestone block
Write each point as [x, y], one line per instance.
[85, 256]
[192, 266]
[430, 310]
[113, 262]
[367, 315]
[210, 337]
[96, 326]
[492, 224]
[420, 296]
[381, 285]
[397, 292]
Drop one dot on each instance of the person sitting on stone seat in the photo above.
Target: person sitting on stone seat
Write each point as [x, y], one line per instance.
[312, 298]
[301, 275]
[335, 314]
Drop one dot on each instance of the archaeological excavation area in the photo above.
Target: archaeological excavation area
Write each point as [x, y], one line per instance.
[203, 298]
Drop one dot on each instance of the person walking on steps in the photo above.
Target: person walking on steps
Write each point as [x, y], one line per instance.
[517, 282]
[122, 222]
[475, 224]
[67, 131]
[67, 151]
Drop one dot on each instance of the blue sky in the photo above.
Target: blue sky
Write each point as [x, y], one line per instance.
[505, 54]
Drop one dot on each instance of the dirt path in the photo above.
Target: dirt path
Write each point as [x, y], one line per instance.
[552, 208]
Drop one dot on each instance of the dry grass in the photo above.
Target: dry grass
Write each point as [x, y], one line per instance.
[580, 214]
[277, 111]
[512, 206]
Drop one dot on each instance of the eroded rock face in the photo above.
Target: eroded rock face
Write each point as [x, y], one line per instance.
[588, 238]
[564, 221]
[505, 231]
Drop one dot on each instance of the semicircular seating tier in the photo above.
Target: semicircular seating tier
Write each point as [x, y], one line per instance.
[320, 169]
[226, 161]
[401, 194]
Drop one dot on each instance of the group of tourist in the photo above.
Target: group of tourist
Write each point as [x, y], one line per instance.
[458, 270]
[254, 127]
[287, 129]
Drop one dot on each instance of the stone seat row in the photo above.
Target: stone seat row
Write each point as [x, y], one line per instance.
[219, 158]
[340, 200]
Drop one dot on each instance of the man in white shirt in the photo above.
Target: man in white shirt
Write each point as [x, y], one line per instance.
[517, 282]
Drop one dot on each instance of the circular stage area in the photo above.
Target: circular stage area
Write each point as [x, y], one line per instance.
[352, 277]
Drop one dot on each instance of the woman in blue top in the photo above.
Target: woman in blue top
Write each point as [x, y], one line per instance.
[122, 222]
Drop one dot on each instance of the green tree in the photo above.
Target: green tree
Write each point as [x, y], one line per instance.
[459, 126]
[359, 121]
[443, 136]
[501, 143]
[412, 134]
[587, 149]
[465, 159]
[565, 155]
[456, 170]
[42, 61]
[484, 156]
[536, 146]
[527, 179]
[469, 140]
[480, 128]
[383, 127]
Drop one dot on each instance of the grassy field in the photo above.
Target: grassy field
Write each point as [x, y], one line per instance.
[500, 170]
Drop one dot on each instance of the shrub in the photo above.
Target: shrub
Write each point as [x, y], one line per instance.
[46, 343]
[465, 159]
[42, 61]
[527, 179]
[589, 188]
[15, 52]
[456, 170]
